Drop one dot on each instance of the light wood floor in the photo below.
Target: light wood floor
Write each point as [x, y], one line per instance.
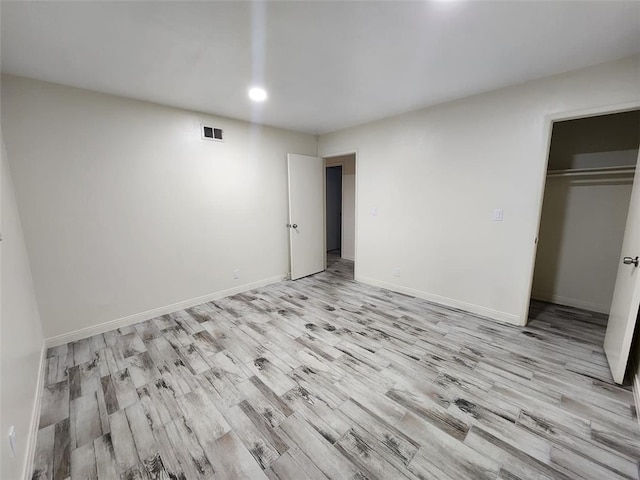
[328, 378]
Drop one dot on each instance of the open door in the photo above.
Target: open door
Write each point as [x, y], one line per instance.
[626, 296]
[306, 215]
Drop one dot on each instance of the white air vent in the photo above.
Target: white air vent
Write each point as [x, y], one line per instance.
[212, 133]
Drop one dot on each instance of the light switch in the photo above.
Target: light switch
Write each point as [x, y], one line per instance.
[497, 215]
[374, 212]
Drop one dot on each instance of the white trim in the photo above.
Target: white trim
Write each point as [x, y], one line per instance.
[355, 216]
[343, 153]
[548, 121]
[149, 314]
[446, 301]
[594, 111]
[571, 302]
[324, 212]
[348, 257]
[35, 416]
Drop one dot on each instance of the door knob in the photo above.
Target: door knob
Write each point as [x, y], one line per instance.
[292, 225]
[630, 261]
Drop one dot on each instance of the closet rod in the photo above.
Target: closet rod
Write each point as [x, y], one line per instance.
[579, 172]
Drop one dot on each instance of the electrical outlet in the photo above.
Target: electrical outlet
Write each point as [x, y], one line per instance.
[497, 215]
[396, 272]
[236, 274]
[12, 440]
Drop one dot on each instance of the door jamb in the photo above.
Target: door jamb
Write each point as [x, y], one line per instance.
[549, 120]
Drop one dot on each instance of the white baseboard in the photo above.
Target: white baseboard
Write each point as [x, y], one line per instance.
[571, 302]
[448, 302]
[156, 312]
[35, 416]
[349, 257]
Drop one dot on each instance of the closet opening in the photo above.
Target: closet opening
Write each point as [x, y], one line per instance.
[590, 176]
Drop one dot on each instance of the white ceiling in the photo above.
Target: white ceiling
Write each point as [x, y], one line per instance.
[325, 65]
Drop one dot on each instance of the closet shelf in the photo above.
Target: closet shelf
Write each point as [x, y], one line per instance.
[579, 172]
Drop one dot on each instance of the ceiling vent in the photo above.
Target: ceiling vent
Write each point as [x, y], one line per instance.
[212, 133]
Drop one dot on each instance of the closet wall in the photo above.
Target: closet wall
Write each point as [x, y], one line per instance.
[584, 215]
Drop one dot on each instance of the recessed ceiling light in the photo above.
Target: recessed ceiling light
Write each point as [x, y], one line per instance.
[257, 94]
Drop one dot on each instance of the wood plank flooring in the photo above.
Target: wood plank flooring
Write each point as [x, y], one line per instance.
[327, 378]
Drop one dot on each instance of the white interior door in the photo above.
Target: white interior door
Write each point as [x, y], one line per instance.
[626, 296]
[306, 215]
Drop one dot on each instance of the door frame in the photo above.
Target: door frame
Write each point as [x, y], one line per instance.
[549, 120]
[342, 153]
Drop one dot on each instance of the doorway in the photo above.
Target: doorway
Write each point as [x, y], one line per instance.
[588, 188]
[340, 213]
[334, 209]
[586, 199]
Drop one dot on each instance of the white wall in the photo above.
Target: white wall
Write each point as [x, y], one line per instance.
[436, 175]
[581, 233]
[21, 338]
[126, 209]
[348, 243]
